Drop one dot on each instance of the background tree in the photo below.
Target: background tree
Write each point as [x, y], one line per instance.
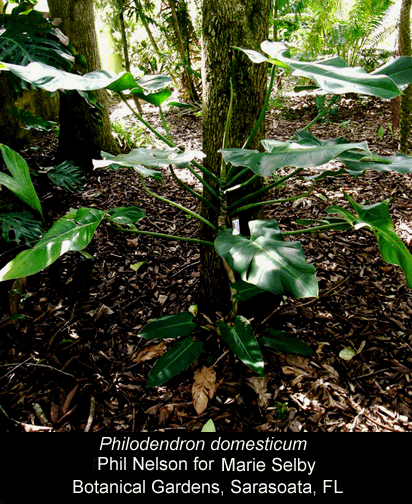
[226, 25]
[82, 134]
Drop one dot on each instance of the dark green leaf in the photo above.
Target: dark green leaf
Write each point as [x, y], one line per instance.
[277, 340]
[170, 326]
[243, 343]
[126, 215]
[174, 361]
[20, 226]
[67, 175]
[245, 291]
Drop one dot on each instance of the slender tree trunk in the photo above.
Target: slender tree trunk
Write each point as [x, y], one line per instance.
[81, 137]
[180, 46]
[227, 24]
[406, 100]
[120, 4]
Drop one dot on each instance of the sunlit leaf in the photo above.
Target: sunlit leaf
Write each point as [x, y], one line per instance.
[267, 261]
[19, 182]
[335, 76]
[73, 232]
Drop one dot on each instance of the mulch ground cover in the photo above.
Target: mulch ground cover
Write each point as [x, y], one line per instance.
[74, 361]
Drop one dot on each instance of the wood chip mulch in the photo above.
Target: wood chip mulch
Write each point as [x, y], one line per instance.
[74, 362]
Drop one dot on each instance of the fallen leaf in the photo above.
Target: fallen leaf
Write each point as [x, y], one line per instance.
[203, 389]
[260, 386]
[347, 353]
[150, 352]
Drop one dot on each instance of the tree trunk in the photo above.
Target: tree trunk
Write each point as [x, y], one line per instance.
[82, 136]
[180, 46]
[406, 100]
[227, 24]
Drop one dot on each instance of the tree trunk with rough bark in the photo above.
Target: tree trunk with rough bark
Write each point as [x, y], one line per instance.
[82, 136]
[226, 24]
[406, 99]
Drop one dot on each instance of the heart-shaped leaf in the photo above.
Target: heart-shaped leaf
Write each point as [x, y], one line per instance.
[300, 154]
[267, 261]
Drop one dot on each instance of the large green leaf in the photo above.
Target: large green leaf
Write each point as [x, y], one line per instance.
[334, 75]
[356, 164]
[243, 343]
[267, 261]
[20, 182]
[152, 158]
[51, 79]
[279, 341]
[170, 326]
[28, 36]
[377, 218]
[177, 359]
[73, 232]
[154, 98]
[152, 88]
[125, 215]
[300, 154]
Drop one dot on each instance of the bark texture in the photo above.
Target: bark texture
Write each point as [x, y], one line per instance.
[81, 137]
[228, 24]
[406, 99]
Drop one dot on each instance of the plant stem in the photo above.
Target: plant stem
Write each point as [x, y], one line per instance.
[317, 229]
[191, 191]
[271, 202]
[176, 205]
[161, 235]
[148, 126]
[202, 180]
[263, 189]
[165, 125]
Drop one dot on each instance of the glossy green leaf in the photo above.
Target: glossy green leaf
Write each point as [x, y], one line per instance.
[170, 326]
[267, 261]
[52, 79]
[154, 82]
[335, 76]
[300, 154]
[243, 343]
[277, 340]
[125, 215]
[177, 359]
[73, 232]
[391, 247]
[356, 164]
[152, 158]
[19, 183]
[245, 291]
[154, 98]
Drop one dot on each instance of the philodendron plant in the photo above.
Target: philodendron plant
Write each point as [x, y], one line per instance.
[263, 260]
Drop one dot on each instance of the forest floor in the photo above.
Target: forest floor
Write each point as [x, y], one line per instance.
[74, 362]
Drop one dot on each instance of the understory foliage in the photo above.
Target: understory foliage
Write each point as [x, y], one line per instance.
[263, 260]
